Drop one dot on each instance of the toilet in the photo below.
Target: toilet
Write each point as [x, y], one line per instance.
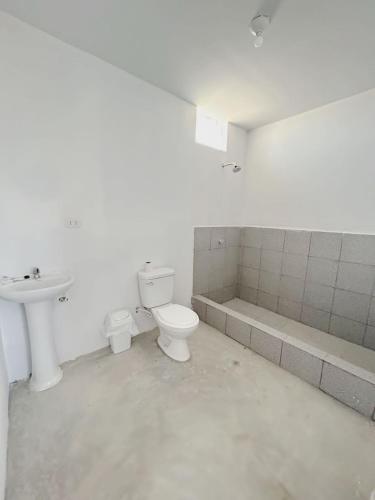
[176, 323]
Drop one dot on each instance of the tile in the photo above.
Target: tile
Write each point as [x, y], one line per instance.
[351, 305]
[269, 282]
[216, 269]
[356, 277]
[353, 363]
[267, 301]
[273, 239]
[310, 339]
[272, 320]
[348, 389]
[218, 237]
[201, 267]
[297, 242]
[250, 257]
[318, 296]
[249, 277]
[302, 364]
[371, 316]
[315, 318]
[229, 292]
[325, 245]
[294, 265]
[200, 308]
[231, 261]
[249, 294]
[347, 329]
[202, 238]
[266, 345]
[328, 346]
[290, 308]
[251, 237]
[291, 288]
[232, 236]
[216, 295]
[270, 261]
[238, 330]
[322, 271]
[369, 340]
[244, 308]
[216, 318]
[358, 248]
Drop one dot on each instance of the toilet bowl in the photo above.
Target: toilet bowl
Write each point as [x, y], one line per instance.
[176, 323]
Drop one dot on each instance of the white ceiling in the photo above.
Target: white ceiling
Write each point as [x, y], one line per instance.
[315, 51]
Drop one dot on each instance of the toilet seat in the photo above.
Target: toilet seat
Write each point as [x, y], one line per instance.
[176, 323]
[176, 316]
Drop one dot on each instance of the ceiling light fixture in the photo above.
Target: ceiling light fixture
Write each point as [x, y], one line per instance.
[258, 26]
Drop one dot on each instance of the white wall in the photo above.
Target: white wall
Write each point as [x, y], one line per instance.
[4, 394]
[81, 138]
[315, 170]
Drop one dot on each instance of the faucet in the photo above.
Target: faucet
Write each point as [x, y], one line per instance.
[36, 273]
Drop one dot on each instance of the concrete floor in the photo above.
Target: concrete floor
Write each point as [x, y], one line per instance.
[226, 425]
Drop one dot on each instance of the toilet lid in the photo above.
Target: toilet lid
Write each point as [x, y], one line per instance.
[174, 314]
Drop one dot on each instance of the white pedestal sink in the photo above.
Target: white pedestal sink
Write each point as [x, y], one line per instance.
[37, 296]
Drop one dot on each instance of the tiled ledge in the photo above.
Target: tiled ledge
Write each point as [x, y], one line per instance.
[344, 370]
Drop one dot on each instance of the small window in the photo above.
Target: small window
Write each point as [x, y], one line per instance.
[210, 131]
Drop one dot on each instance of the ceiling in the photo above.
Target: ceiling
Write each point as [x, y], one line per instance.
[315, 51]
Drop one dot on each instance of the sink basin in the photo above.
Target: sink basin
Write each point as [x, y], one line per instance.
[47, 287]
[37, 296]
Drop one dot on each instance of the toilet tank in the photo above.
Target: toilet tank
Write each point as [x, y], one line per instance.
[156, 286]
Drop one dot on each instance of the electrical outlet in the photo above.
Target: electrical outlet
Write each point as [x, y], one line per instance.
[73, 223]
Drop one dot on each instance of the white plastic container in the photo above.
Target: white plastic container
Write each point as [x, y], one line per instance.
[120, 327]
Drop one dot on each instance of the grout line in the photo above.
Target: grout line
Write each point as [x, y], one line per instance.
[283, 257]
[372, 298]
[283, 249]
[321, 373]
[277, 303]
[335, 287]
[305, 281]
[281, 352]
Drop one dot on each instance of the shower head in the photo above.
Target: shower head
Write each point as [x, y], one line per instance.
[236, 168]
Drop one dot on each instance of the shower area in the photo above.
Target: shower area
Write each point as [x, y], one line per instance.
[304, 300]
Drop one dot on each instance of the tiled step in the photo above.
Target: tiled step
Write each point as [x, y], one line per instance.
[344, 370]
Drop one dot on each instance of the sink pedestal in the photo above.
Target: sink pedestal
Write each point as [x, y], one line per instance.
[38, 295]
[46, 371]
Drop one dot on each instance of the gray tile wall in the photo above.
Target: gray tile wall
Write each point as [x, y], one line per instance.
[216, 260]
[325, 280]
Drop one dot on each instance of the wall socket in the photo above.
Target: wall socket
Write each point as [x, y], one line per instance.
[73, 223]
